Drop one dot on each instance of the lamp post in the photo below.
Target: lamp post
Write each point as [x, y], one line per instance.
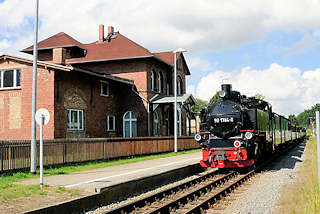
[180, 50]
[33, 165]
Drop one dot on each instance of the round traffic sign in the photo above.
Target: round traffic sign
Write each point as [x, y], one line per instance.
[42, 113]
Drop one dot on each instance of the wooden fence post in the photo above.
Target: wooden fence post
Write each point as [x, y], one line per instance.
[2, 151]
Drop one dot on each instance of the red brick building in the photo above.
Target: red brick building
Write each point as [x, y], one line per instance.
[107, 88]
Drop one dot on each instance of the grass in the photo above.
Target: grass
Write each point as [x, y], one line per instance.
[303, 196]
[10, 190]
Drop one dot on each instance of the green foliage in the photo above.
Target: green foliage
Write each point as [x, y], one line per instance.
[214, 98]
[259, 96]
[293, 119]
[200, 104]
[304, 117]
[9, 189]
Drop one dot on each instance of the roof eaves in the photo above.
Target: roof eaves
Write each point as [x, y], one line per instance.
[115, 59]
[48, 48]
[158, 58]
[118, 79]
[41, 63]
[185, 62]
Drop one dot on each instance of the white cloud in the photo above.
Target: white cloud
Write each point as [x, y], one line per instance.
[306, 43]
[190, 89]
[198, 26]
[197, 64]
[288, 89]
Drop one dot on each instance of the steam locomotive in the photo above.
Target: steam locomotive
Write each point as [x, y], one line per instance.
[239, 131]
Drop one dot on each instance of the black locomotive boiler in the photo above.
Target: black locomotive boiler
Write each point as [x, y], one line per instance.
[239, 131]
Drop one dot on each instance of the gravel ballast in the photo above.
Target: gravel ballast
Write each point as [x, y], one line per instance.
[263, 191]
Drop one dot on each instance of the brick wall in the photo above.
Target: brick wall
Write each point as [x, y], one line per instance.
[85, 90]
[15, 104]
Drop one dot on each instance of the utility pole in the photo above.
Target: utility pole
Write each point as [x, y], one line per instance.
[33, 166]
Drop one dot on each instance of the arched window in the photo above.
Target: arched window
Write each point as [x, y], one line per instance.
[179, 85]
[129, 124]
[160, 79]
[153, 80]
[156, 124]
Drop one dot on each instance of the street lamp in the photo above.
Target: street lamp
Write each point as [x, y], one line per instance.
[180, 50]
[33, 164]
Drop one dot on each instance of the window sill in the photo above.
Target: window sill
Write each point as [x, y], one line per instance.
[111, 130]
[104, 95]
[10, 88]
[75, 130]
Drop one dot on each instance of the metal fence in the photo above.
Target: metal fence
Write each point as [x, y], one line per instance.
[15, 155]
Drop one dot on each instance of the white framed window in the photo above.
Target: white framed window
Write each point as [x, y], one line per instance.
[156, 124]
[179, 127]
[153, 80]
[10, 79]
[160, 82]
[179, 85]
[75, 119]
[104, 88]
[111, 123]
[129, 124]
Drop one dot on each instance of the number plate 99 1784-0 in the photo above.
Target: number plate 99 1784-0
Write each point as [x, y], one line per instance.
[223, 120]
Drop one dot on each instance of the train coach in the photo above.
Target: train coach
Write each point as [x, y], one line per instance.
[240, 131]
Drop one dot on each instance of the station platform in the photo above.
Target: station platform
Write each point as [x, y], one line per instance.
[91, 180]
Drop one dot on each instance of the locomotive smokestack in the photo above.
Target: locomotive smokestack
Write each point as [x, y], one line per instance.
[227, 88]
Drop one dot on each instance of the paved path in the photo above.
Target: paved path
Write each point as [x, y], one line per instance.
[103, 177]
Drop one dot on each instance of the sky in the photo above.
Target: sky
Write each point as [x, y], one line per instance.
[267, 47]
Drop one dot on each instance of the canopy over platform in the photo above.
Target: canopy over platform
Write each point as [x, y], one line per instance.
[182, 98]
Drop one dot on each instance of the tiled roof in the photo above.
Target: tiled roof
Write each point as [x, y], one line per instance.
[58, 40]
[67, 68]
[119, 48]
[166, 56]
[169, 58]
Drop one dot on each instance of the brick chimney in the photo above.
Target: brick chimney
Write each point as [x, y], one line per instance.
[101, 33]
[59, 56]
[110, 29]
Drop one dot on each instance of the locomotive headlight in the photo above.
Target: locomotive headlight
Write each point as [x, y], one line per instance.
[197, 137]
[222, 93]
[237, 143]
[248, 135]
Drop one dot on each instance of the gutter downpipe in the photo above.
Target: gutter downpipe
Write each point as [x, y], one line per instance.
[148, 107]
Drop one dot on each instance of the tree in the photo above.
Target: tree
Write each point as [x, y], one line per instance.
[214, 98]
[259, 96]
[200, 104]
[305, 116]
[293, 118]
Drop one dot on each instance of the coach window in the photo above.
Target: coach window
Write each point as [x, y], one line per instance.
[129, 124]
[104, 89]
[111, 123]
[75, 119]
[10, 79]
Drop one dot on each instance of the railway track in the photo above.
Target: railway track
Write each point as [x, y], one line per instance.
[195, 196]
